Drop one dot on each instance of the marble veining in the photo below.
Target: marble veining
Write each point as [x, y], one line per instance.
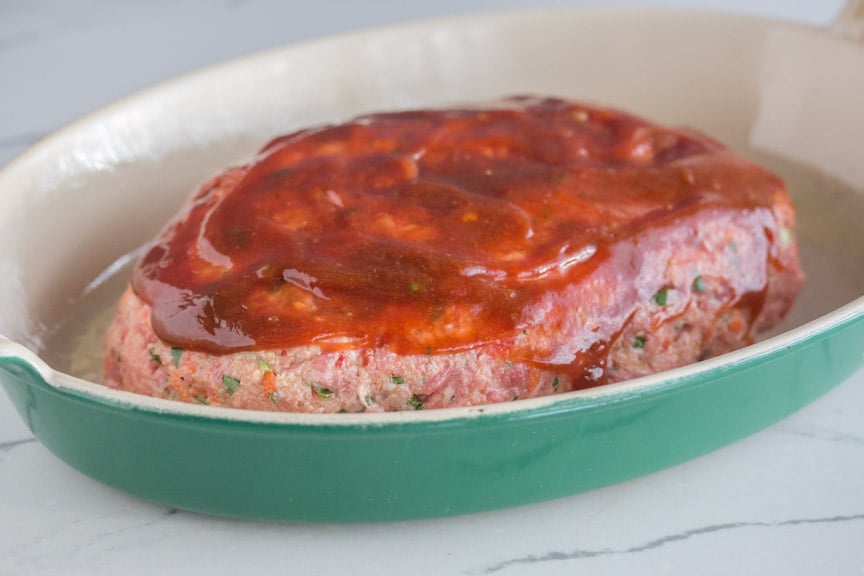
[41, 553]
[824, 434]
[577, 554]
[8, 446]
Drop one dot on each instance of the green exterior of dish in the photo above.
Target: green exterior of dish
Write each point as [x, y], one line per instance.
[408, 470]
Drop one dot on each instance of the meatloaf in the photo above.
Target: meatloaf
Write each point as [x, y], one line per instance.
[441, 258]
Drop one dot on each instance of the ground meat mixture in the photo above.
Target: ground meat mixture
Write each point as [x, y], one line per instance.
[441, 258]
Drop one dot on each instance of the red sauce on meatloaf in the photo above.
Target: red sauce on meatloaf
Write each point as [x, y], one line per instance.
[434, 231]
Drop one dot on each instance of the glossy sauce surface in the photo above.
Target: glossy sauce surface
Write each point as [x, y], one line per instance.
[426, 231]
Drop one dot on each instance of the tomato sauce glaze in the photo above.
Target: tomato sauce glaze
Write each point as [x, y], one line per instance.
[429, 231]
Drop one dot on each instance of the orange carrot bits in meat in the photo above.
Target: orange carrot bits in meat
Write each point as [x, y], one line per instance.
[268, 382]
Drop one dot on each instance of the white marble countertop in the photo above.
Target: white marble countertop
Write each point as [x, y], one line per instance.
[788, 500]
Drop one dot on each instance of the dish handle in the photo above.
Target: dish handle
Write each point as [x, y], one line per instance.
[849, 23]
[14, 358]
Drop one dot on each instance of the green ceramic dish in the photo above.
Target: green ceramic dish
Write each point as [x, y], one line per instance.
[86, 196]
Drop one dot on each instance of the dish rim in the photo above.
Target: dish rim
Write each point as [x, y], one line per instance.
[605, 395]
[15, 353]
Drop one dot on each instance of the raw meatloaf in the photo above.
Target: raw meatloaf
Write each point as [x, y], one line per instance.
[442, 258]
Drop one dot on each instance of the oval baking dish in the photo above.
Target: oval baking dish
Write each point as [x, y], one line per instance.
[83, 198]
